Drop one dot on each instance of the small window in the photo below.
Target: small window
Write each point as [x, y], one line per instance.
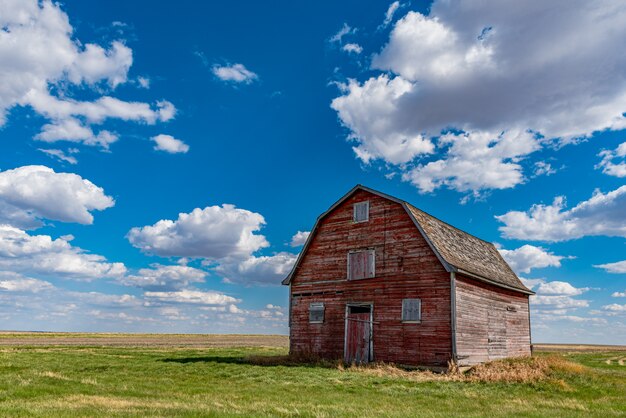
[316, 313]
[411, 310]
[361, 264]
[361, 212]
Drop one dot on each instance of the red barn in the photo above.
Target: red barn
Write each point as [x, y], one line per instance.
[380, 280]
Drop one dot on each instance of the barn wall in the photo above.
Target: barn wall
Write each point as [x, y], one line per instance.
[406, 267]
[491, 322]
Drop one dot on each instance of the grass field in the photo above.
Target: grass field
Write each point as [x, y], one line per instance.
[199, 375]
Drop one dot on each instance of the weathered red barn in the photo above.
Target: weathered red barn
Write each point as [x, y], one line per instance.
[380, 280]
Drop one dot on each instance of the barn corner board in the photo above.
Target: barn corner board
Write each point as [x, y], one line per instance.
[380, 280]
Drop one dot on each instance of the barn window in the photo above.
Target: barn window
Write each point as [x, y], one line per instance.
[361, 212]
[316, 313]
[411, 310]
[361, 264]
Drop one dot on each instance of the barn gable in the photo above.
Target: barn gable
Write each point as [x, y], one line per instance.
[457, 250]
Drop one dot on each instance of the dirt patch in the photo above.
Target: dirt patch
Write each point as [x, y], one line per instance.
[142, 340]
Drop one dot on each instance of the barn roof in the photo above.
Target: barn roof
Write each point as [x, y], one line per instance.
[457, 250]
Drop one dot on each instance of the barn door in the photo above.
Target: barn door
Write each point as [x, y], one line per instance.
[358, 334]
[497, 334]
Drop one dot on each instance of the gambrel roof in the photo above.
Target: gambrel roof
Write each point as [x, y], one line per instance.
[457, 250]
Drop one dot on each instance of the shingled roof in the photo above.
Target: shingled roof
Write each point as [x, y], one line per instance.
[457, 250]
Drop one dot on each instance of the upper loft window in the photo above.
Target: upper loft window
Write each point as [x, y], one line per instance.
[361, 212]
[316, 313]
[411, 310]
[361, 264]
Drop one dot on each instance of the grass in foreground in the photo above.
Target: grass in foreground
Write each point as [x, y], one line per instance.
[127, 381]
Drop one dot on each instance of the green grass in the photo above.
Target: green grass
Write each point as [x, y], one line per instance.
[129, 381]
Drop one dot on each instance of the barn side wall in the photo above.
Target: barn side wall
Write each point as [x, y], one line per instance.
[491, 322]
[406, 267]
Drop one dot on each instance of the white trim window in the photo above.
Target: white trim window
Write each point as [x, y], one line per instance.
[316, 313]
[411, 310]
[361, 264]
[361, 212]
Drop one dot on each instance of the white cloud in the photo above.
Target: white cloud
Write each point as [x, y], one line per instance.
[71, 130]
[40, 254]
[214, 232]
[485, 67]
[353, 47]
[169, 144]
[528, 257]
[369, 111]
[161, 277]
[475, 161]
[617, 267]
[614, 307]
[559, 288]
[144, 82]
[40, 60]
[556, 297]
[601, 215]
[191, 297]
[608, 163]
[543, 168]
[345, 30]
[258, 270]
[13, 282]
[559, 302]
[237, 73]
[299, 238]
[393, 7]
[619, 294]
[30, 193]
[59, 154]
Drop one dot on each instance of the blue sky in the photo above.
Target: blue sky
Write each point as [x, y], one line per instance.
[157, 162]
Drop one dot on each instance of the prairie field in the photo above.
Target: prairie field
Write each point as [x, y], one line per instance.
[69, 375]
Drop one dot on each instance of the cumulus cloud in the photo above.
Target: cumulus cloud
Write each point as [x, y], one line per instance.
[258, 270]
[191, 297]
[13, 282]
[30, 193]
[299, 238]
[161, 277]
[475, 161]
[353, 48]
[485, 67]
[556, 295]
[369, 110]
[71, 130]
[613, 162]
[169, 144]
[237, 73]
[41, 254]
[601, 215]
[40, 59]
[615, 307]
[528, 257]
[214, 232]
[617, 267]
[619, 294]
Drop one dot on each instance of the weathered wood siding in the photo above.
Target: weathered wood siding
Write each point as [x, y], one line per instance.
[406, 267]
[491, 322]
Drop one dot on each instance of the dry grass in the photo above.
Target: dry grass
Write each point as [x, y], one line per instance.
[517, 370]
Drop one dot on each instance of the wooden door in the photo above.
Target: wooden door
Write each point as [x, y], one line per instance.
[358, 335]
[497, 334]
